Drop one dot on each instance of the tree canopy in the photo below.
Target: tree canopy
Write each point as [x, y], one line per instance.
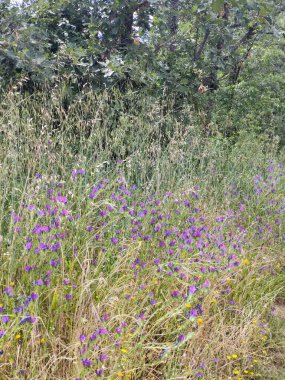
[159, 43]
[209, 53]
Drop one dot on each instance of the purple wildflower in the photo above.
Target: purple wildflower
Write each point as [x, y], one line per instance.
[103, 357]
[82, 338]
[192, 289]
[5, 319]
[61, 199]
[86, 362]
[114, 240]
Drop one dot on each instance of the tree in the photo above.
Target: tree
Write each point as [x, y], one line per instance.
[175, 44]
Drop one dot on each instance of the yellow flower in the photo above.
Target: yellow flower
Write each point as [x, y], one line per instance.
[255, 361]
[235, 372]
[246, 261]
[120, 374]
[245, 371]
[251, 373]
[43, 340]
[200, 321]
[234, 356]
[229, 357]
[228, 279]
[124, 350]
[18, 336]
[12, 283]
[188, 305]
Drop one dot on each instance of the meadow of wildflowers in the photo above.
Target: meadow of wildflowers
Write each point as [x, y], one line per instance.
[168, 264]
[99, 280]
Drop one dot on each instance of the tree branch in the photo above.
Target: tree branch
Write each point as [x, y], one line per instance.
[246, 38]
[202, 46]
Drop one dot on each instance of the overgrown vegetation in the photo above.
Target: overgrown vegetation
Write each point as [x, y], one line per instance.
[101, 278]
[214, 55]
[142, 190]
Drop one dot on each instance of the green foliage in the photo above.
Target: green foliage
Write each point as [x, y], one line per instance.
[210, 54]
[256, 103]
[176, 44]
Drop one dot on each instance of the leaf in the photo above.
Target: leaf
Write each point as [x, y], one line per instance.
[265, 11]
[185, 26]
[218, 5]
[251, 4]
[108, 73]
[54, 302]
[281, 20]
[276, 32]
[38, 61]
